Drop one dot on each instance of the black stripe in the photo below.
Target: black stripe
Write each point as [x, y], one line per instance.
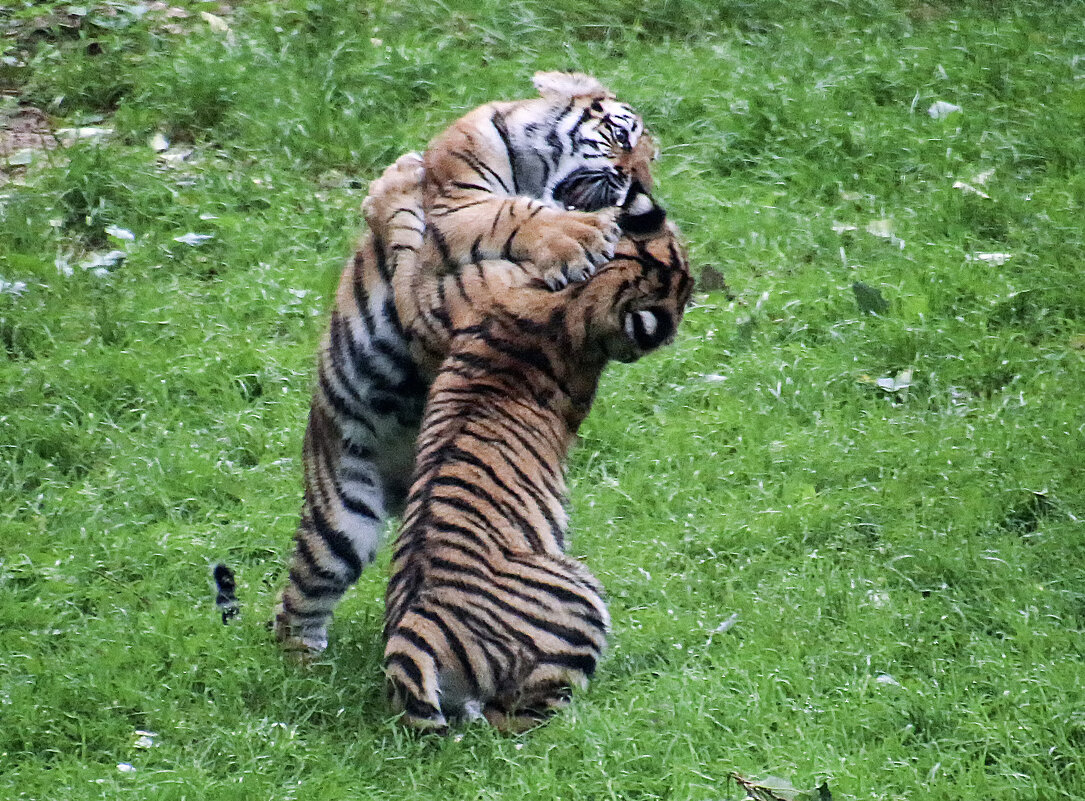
[309, 558]
[503, 507]
[312, 590]
[470, 187]
[585, 663]
[337, 542]
[553, 137]
[467, 457]
[454, 642]
[571, 636]
[502, 128]
[478, 165]
[407, 664]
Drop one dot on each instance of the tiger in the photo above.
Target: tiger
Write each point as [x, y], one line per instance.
[536, 180]
[574, 146]
[486, 615]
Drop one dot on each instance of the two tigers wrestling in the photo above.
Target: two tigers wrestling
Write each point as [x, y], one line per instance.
[470, 290]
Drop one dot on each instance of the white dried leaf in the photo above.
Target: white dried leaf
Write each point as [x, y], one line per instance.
[883, 229]
[726, 625]
[120, 233]
[70, 135]
[125, 767]
[997, 259]
[968, 189]
[940, 109]
[159, 143]
[885, 678]
[174, 157]
[900, 381]
[878, 599]
[880, 228]
[100, 263]
[193, 239]
[15, 288]
[215, 22]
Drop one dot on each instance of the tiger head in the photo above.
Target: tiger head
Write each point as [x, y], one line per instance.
[646, 313]
[609, 136]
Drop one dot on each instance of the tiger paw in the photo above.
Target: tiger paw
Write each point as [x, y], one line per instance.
[301, 640]
[573, 247]
[399, 187]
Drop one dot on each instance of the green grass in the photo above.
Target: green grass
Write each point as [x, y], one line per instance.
[908, 567]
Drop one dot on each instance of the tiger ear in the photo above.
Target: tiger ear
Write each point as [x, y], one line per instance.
[569, 84]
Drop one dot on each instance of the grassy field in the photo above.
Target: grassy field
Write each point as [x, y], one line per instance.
[840, 547]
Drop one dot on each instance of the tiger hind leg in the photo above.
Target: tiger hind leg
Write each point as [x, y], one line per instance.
[523, 714]
[412, 690]
[340, 529]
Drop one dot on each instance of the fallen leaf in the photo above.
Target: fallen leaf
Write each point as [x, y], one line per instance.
[997, 259]
[216, 23]
[120, 233]
[774, 788]
[968, 189]
[883, 229]
[100, 263]
[712, 280]
[869, 299]
[940, 109]
[69, 136]
[15, 288]
[726, 625]
[897, 383]
[193, 239]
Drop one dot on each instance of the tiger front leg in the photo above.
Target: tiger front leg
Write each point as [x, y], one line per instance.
[564, 245]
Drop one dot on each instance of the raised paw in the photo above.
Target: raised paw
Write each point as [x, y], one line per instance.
[573, 247]
[398, 188]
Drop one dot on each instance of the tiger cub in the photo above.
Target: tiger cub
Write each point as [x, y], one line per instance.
[536, 179]
[486, 615]
[383, 343]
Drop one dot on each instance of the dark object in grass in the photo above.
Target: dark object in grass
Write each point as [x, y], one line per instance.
[1026, 515]
[870, 300]
[225, 592]
[712, 280]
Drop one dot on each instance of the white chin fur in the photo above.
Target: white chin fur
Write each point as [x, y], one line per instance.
[648, 322]
[642, 205]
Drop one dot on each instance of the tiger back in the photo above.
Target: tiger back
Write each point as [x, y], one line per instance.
[486, 615]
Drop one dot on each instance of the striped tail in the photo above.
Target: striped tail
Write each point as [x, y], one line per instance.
[225, 592]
